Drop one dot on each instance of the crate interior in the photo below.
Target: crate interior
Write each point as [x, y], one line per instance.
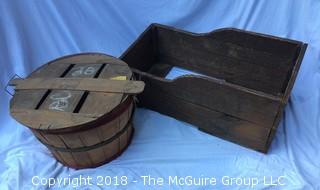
[253, 61]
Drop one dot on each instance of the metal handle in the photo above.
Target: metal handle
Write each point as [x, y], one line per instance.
[15, 76]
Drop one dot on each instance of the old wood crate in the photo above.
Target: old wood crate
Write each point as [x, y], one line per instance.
[248, 83]
[79, 106]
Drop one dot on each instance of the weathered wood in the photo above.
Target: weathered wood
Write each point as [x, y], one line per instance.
[83, 117]
[107, 101]
[208, 120]
[142, 53]
[68, 100]
[93, 85]
[245, 81]
[29, 99]
[160, 69]
[220, 97]
[97, 155]
[222, 58]
[51, 119]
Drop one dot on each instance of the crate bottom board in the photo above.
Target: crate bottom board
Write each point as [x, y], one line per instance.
[215, 123]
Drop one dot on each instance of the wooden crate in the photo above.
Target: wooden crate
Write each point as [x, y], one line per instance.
[249, 77]
[79, 106]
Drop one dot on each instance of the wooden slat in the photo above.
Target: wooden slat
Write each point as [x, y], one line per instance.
[143, 51]
[231, 59]
[29, 99]
[112, 148]
[67, 100]
[98, 102]
[82, 159]
[219, 124]
[94, 85]
[109, 129]
[97, 155]
[160, 69]
[72, 140]
[51, 119]
[54, 139]
[219, 97]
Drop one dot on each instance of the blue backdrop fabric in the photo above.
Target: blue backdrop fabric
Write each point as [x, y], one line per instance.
[35, 32]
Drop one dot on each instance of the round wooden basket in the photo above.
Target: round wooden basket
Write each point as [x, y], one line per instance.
[79, 106]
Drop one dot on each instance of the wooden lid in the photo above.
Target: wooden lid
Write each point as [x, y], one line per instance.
[57, 95]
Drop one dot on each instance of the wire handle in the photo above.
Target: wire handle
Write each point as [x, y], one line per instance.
[6, 88]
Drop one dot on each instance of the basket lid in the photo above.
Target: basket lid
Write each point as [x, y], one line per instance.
[72, 91]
